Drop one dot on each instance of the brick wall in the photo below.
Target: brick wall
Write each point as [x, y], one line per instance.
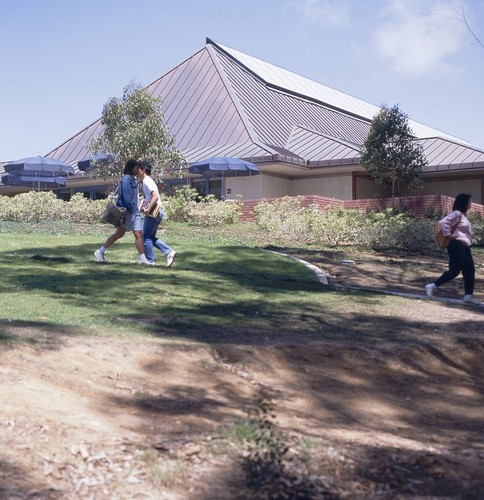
[417, 205]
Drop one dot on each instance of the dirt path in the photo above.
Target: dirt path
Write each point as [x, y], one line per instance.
[110, 418]
[105, 418]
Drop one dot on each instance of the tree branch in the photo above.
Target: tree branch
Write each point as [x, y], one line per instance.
[464, 17]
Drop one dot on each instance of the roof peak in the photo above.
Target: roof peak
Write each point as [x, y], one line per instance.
[285, 80]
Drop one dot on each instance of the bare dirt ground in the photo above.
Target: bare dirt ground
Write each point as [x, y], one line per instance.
[101, 418]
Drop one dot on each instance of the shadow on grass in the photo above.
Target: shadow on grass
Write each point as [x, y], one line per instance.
[38, 334]
[242, 295]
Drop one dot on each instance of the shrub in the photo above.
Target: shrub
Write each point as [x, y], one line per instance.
[403, 232]
[44, 206]
[82, 209]
[477, 222]
[340, 226]
[177, 206]
[287, 219]
[32, 207]
[213, 211]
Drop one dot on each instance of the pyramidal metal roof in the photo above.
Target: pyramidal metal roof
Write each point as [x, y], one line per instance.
[221, 102]
[283, 79]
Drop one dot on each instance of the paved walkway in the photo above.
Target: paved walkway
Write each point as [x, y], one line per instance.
[323, 279]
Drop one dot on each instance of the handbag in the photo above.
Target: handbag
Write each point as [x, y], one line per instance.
[113, 214]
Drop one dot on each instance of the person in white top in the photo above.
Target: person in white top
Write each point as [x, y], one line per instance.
[457, 228]
[127, 198]
[153, 212]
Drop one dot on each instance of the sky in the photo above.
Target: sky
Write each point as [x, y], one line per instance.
[62, 60]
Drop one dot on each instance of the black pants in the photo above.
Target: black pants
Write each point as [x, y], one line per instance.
[460, 259]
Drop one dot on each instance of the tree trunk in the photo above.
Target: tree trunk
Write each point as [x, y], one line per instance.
[393, 194]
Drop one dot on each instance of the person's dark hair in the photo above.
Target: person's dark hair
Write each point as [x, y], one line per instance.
[130, 166]
[461, 201]
[144, 165]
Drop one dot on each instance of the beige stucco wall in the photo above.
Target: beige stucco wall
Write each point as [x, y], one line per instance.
[249, 188]
[339, 186]
[452, 188]
[257, 187]
[333, 186]
[271, 186]
[365, 188]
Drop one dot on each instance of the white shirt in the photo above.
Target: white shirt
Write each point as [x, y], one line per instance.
[149, 185]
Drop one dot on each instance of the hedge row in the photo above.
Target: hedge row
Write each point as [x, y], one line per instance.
[286, 219]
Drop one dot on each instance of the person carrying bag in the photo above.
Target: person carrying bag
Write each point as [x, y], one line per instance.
[457, 236]
[114, 214]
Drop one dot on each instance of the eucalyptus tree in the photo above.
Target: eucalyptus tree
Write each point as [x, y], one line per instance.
[390, 154]
[135, 127]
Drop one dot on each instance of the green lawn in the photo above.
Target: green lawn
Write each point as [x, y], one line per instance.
[50, 277]
[223, 287]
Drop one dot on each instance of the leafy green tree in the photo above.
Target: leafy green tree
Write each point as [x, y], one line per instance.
[135, 127]
[390, 154]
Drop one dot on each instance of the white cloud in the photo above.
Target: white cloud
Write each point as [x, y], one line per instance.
[417, 36]
[334, 12]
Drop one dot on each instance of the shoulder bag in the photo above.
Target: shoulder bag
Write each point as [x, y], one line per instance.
[113, 214]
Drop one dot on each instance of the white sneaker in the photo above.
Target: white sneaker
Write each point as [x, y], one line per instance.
[100, 256]
[430, 289]
[145, 262]
[170, 258]
[470, 300]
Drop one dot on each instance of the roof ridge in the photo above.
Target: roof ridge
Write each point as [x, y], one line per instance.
[235, 99]
[287, 81]
[352, 145]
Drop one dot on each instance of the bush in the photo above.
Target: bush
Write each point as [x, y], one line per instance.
[477, 222]
[340, 226]
[402, 232]
[31, 207]
[186, 205]
[44, 206]
[82, 209]
[212, 212]
[289, 221]
[177, 206]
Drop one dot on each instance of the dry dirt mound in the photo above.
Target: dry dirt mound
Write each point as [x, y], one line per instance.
[110, 418]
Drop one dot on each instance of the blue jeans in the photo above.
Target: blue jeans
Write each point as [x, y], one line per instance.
[150, 226]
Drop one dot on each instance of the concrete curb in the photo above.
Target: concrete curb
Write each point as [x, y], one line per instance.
[323, 279]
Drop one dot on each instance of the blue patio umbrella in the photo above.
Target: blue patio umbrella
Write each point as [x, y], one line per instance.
[223, 166]
[21, 179]
[86, 163]
[39, 164]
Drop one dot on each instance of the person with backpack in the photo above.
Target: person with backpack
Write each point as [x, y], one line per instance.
[457, 229]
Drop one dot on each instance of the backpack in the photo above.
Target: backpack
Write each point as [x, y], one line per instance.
[443, 241]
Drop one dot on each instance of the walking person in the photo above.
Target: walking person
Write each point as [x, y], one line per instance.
[153, 213]
[128, 197]
[457, 228]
